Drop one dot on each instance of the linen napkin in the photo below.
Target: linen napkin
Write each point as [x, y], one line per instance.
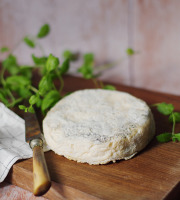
[12, 140]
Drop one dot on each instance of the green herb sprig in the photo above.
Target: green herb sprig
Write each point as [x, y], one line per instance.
[47, 95]
[87, 70]
[32, 41]
[130, 52]
[173, 117]
[17, 85]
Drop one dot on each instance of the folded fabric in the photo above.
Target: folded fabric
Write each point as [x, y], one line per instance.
[12, 140]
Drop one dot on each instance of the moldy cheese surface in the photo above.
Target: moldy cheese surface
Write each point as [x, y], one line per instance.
[98, 126]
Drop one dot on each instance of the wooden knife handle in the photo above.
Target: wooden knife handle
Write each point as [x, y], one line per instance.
[41, 176]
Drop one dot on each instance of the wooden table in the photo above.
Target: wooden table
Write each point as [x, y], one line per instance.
[154, 173]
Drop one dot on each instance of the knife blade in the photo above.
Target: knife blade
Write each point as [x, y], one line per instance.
[41, 178]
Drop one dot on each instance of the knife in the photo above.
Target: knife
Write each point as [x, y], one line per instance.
[41, 178]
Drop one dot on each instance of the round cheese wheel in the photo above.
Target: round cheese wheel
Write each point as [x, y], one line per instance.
[97, 126]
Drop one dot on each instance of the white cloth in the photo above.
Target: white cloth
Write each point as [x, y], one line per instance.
[12, 140]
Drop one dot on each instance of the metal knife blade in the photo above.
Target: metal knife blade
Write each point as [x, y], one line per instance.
[32, 127]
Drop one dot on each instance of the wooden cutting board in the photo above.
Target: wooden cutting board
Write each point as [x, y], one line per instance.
[154, 173]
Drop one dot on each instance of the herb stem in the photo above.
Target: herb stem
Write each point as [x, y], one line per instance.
[106, 66]
[33, 89]
[174, 123]
[11, 95]
[62, 84]
[15, 102]
[101, 84]
[95, 82]
[54, 86]
[40, 47]
[61, 81]
[2, 76]
[156, 104]
[16, 46]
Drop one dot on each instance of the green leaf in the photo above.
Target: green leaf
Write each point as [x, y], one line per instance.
[64, 67]
[34, 99]
[50, 100]
[86, 71]
[87, 68]
[176, 116]
[165, 109]
[4, 49]
[45, 84]
[22, 107]
[24, 92]
[38, 103]
[89, 59]
[15, 82]
[176, 137]
[31, 109]
[4, 91]
[14, 70]
[130, 51]
[26, 71]
[44, 30]
[109, 87]
[27, 109]
[11, 65]
[164, 137]
[3, 99]
[29, 42]
[52, 63]
[10, 60]
[69, 55]
[39, 60]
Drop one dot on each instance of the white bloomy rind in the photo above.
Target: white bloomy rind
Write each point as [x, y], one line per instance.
[98, 126]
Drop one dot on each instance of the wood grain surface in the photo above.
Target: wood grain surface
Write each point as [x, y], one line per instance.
[154, 173]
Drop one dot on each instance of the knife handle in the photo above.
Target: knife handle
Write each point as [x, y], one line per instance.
[41, 177]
